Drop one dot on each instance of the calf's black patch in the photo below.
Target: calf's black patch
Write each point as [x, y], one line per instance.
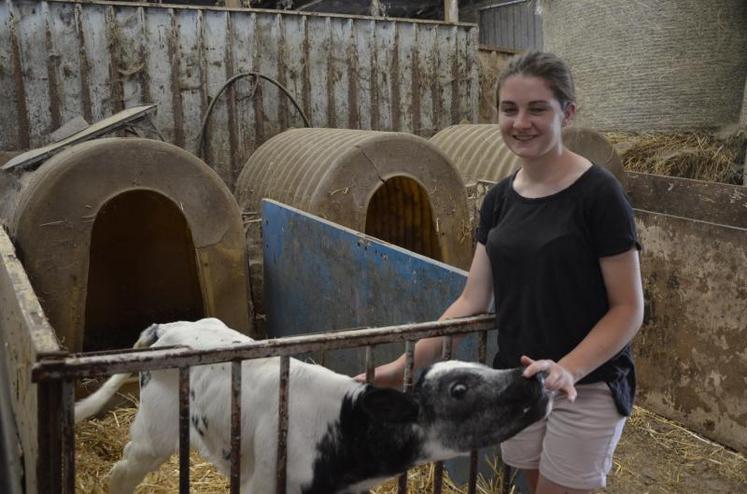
[358, 447]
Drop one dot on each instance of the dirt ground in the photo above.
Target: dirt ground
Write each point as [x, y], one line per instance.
[655, 456]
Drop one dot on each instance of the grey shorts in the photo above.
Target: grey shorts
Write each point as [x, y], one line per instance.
[573, 446]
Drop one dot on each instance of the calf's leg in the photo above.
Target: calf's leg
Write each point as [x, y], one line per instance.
[138, 460]
[153, 437]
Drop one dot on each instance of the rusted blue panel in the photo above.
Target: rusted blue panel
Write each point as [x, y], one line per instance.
[319, 276]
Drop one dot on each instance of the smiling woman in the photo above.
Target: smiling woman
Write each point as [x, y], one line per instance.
[557, 254]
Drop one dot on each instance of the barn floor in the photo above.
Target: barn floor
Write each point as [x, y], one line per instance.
[655, 456]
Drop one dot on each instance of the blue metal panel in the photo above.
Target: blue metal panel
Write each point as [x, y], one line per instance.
[320, 276]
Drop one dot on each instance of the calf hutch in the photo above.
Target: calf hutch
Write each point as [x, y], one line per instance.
[391, 185]
[117, 233]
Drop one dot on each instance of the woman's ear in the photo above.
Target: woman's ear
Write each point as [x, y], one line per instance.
[568, 113]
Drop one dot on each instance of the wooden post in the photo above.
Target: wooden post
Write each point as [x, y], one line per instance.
[233, 4]
[451, 11]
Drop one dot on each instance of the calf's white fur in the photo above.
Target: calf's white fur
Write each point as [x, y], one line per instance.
[344, 437]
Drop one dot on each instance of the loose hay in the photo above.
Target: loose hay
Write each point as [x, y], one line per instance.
[655, 455]
[715, 157]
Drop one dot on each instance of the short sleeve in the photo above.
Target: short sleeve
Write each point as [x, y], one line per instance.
[488, 212]
[612, 220]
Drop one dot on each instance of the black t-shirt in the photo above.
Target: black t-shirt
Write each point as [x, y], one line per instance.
[547, 280]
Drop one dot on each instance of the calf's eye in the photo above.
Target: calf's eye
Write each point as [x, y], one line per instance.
[458, 390]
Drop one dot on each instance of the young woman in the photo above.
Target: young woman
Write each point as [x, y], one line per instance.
[557, 251]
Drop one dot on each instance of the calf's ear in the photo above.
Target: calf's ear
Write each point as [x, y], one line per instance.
[389, 405]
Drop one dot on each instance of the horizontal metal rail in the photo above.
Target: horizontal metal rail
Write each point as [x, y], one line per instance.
[91, 365]
[64, 371]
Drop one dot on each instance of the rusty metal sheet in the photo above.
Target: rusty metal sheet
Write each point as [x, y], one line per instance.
[691, 350]
[707, 201]
[26, 336]
[62, 59]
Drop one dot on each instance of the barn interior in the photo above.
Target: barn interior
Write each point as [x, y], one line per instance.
[130, 245]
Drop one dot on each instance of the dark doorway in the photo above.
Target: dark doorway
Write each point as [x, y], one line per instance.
[142, 270]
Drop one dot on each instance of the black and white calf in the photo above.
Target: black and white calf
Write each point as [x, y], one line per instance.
[343, 437]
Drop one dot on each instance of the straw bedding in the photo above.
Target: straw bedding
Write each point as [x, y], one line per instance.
[714, 157]
[655, 455]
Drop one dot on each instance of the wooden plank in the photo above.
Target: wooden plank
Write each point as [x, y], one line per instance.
[706, 201]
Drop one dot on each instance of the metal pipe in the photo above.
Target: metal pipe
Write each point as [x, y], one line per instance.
[407, 388]
[155, 359]
[473, 455]
[370, 364]
[67, 418]
[235, 426]
[184, 430]
[447, 347]
[282, 458]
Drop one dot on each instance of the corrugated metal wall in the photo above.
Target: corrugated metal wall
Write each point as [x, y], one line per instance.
[514, 24]
[63, 59]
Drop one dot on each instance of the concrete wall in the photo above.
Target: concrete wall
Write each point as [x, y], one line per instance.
[692, 350]
[652, 64]
[26, 336]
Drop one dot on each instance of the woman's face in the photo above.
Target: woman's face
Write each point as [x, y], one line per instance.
[531, 118]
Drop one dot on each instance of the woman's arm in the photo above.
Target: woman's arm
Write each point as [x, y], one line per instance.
[475, 299]
[622, 279]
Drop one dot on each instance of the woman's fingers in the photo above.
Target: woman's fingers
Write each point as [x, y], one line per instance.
[570, 392]
[557, 378]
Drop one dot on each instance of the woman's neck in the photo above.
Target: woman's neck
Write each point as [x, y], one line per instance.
[550, 173]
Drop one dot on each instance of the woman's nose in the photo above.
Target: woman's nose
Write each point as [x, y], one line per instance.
[521, 121]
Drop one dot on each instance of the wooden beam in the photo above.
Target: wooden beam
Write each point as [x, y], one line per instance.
[451, 11]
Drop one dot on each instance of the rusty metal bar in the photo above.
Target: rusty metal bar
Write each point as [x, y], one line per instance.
[472, 482]
[155, 359]
[49, 467]
[184, 430]
[438, 477]
[482, 350]
[482, 347]
[506, 479]
[370, 364]
[407, 387]
[447, 348]
[282, 458]
[235, 426]
[67, 421]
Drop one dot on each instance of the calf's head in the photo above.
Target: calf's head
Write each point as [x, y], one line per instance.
[461, 406]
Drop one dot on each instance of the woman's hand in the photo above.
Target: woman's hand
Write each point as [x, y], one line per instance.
[557, 377]
[389, 375]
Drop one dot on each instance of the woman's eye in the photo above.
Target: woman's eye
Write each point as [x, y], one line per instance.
[458, 390]
[537, 111]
